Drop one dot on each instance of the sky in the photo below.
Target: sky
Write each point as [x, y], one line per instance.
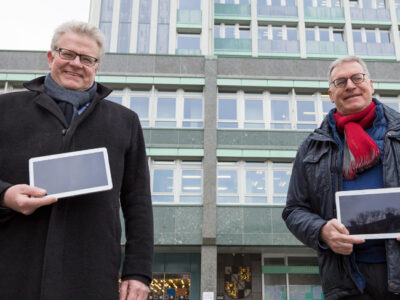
[29, 24]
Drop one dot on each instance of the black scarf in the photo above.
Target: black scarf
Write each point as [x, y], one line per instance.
[69, 101]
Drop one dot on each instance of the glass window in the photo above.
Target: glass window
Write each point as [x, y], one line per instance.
[191, 190]
[141, 106]
[262, 33]
[163, 183]
[166, 110]
[370, 36]
[327, 105]
[143, 41]
[277, 33]
[217, 31]
[305, 111]
[308, 3]
[167, 285]
[380, 4]
[189, 41]
[385, 36]
[310, 34]
[357, 38]
[367, 3]
[192, 112]
[338, 36]
[176, 182]
[280, 114]
[190, 4]
[227, 111]
[227, 183]
[291, 34]
[229, 32]
[354, 4]
[397, 3]
[116, 99]
[323, 3]
[255, 186]
[275, 2]
[163, 26]
[291, 3]
[298, 286]
[281, 173]
[244, 33]
[254, 111]
[106, 12]
[324, 35]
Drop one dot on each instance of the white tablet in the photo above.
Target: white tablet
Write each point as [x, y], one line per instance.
[370, 214]
[72, 173]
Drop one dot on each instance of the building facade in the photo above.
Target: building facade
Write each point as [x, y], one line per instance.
[226, 91]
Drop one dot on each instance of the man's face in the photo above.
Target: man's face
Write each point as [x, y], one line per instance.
[71, 74]
[351, 98]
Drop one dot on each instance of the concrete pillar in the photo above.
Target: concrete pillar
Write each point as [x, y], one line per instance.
[209, 230]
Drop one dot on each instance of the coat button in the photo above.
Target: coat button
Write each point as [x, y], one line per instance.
[64, 131]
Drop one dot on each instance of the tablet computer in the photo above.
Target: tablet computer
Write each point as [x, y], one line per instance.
[370, 214]
[72, 173]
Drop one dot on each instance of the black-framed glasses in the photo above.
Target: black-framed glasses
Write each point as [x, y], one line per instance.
[86, 60]
[355, 78]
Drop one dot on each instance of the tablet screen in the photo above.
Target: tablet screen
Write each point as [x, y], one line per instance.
[370, 214]
[72, 173]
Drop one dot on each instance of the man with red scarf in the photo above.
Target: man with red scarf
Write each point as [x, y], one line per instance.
[356, 147]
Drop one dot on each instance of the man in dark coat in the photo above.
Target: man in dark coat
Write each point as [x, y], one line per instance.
[356, 147]
[69, 248]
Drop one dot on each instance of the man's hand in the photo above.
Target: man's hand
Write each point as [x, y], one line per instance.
[25, 199]
[133, 290]
[337, 237]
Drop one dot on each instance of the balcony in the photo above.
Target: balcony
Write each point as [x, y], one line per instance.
[232, 11]
[373, 49]
[232, 46]
[278, 47]
[324, 14]
[328, 49]
[265, 11]
[370, 15]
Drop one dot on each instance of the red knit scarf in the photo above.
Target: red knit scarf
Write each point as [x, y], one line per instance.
[360, 151]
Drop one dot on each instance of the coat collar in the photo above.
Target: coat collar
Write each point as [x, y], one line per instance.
[42, 99]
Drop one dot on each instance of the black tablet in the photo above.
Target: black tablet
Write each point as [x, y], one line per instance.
[72, 173]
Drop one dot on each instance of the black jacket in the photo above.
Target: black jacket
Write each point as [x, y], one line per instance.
[71, 249]
[316, 176]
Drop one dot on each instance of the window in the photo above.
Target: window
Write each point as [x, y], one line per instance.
[280, 112]
[163, 26]
[392, 102]
[124, 30]
[291, 277]
[141, 106]
[190, 4]
[306, 112]
[188, 44]
[167, 285]
[166, 112]
[270, 111]
[176, 181]
[143, 39]
[323, 34]
[235, 31]
[167, 109]
[373, 42]
[247, 182]
[105, 24]
[227, 115]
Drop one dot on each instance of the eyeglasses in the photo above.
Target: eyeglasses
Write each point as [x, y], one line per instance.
[342, 82]
[86, 60]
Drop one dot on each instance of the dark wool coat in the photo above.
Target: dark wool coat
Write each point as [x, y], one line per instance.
[71, 249]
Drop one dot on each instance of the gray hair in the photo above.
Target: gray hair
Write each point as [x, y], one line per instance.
[81, 28]
[345, 59]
